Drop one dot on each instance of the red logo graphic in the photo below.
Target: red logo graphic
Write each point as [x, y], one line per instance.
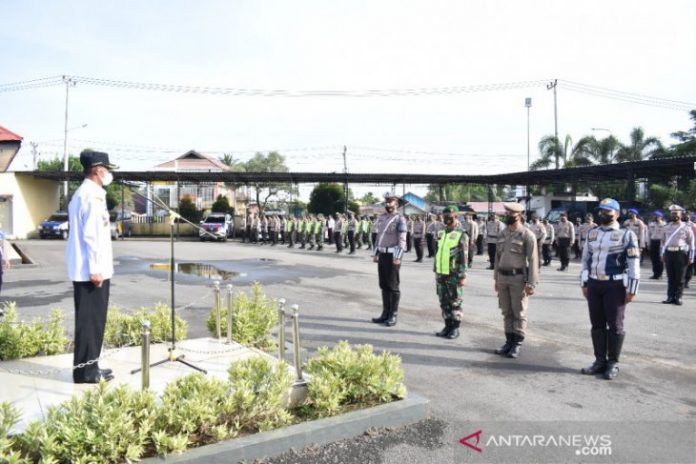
[465, 441]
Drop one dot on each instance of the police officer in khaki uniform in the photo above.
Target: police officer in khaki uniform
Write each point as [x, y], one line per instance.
[493, 228]
[655, 232]
[90, 264]
[418, 233]
[388, 251]
[516, 276]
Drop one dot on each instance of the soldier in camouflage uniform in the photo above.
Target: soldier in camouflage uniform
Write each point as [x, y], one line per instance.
[450, 271]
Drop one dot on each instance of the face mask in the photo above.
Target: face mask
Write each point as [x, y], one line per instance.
[605, 219]
[389, 208]
[449, 220]
[106, 179]
[510, 220]
[675, 218]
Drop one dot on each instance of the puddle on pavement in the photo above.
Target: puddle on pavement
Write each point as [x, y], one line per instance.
[205, 271]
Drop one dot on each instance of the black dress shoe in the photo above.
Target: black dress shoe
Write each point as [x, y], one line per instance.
[668, 301]
[105, 372]
[95, 379]
[677, 301]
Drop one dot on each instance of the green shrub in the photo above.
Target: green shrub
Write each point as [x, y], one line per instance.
[124, 329]
[259, 394]
[102, 425]
[32, 338]
[252, 319]
[342, 376]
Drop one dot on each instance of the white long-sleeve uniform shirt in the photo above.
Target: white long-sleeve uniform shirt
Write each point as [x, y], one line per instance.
[612, 253]
[89, 241]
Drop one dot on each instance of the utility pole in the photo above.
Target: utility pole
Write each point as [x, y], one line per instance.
[34, 154]
[553, 85]
[345, 183]
[68, 83]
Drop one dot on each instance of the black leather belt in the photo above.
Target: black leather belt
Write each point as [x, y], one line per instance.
[510, 272]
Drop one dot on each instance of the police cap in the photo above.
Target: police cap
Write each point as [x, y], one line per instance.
[90, 158]
[609, 203]
[513, 207]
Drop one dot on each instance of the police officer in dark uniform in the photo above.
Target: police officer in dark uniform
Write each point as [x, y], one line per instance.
[90, 264]
[610, 278]
[388, 251]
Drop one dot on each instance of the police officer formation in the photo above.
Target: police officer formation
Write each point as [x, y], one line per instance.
[610, 254]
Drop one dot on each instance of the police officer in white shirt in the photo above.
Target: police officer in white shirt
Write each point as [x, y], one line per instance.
[90, 264]
[610, 277]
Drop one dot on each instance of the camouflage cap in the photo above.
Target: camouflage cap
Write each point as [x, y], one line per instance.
[450, 209]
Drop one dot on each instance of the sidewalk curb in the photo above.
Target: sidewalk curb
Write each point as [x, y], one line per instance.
[320, 432]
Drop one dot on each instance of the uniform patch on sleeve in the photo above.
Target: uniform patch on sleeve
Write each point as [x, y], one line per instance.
[633, 252]
[615, 236]
[593, 235]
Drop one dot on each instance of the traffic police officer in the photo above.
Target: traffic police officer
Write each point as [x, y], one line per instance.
[516, 276]
[388, 251]
[90, 264]
[450, 271]
[610, 277]
[677, 253]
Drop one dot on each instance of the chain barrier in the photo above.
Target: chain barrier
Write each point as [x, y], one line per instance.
[229, 349]
[53, 371]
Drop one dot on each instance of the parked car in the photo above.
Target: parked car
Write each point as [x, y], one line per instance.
[120, 228]
[55, 226]
[217, 224]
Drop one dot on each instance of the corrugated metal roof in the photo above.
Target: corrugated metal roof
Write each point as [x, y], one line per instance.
[7, 135]
[193, 161]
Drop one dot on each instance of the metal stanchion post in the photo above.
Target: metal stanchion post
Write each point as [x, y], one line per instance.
[145, 355]
[296, 341]
[218, 328]
[281, 329]
[229, 313]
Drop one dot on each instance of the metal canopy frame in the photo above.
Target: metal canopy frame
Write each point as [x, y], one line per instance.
[650, 169]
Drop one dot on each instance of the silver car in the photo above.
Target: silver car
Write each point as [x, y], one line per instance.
[216, 226]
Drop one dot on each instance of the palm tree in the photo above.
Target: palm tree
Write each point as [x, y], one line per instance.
[640, 147]
[553, 152]
[235, 165]
[605, 150]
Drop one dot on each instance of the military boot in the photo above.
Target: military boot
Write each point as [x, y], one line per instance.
[446, 330]
[385, 309]
[393, 309]
[516, 345]
[599, 343]
[454, 333]
[505, 349]
[614, 345]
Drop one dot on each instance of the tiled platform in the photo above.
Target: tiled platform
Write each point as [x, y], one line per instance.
[33, 384]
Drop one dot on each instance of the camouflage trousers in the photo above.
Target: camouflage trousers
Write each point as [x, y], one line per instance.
[450, 296]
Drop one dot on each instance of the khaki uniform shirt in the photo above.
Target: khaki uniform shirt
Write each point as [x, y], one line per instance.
[518, 250]
[565, 230]
[418, 229]
[639, 228]
[391, 235]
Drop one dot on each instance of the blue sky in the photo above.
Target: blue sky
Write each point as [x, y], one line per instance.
[633, 46]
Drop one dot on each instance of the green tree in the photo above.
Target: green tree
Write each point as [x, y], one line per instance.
[555, 153]
[462, 193]
[273, 162]
[640, 147]
[604, 150]
[187, 209]
[687, 139]
[326, 198]
[369, 199]
[234, 164]
[221, 205]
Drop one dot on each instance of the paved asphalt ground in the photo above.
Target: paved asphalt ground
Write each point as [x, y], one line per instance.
[467, 384]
